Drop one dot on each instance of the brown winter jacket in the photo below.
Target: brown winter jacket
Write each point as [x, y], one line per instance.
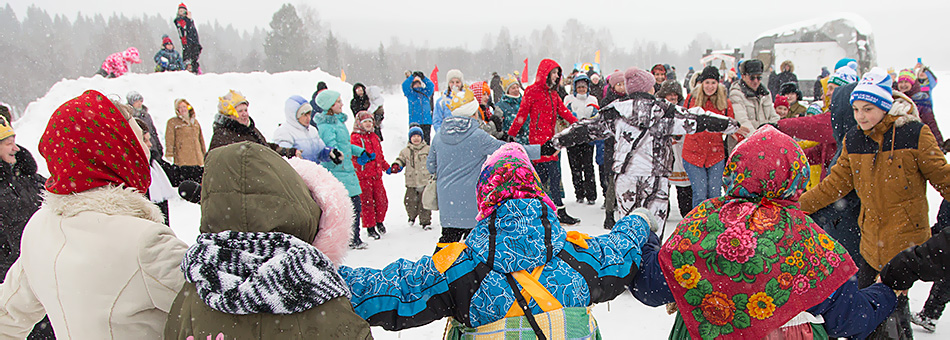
[889, 175]
[248, 188]
[184, 142]
[413, 160]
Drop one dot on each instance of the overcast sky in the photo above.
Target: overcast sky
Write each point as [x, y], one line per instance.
[901, 32]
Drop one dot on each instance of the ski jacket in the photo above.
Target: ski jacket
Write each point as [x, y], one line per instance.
[369, 141]
[172, 62]
[467, 280]
[334, 133]
[540, 108]
[420, 101]
[301, 137]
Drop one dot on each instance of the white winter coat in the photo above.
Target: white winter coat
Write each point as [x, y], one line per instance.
[292, 134]
[99, 262]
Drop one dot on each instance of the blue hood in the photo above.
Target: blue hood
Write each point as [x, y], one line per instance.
[519, 239]
[455, 129]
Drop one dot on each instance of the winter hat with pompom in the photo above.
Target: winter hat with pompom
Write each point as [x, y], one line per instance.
[637, 80]
[875, 88]
[615, 78]
[843, 76]
[781, 101]
[906, 75]
[166, 40]
[326, 99]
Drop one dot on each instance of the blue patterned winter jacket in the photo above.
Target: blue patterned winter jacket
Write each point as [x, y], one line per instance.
[474, 290]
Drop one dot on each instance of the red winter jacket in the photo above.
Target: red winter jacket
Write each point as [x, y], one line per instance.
[705, 149]
[370, 142]
[541, 106]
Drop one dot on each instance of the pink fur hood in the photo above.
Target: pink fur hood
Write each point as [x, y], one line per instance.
[336, 222]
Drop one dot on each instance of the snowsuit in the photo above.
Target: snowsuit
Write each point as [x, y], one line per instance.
[190, 46]
[185, 142]
[642, 127]
[153, 133]
[467, 281]
[752, 107]
[581, 156]
[455, 158]
[172, 62]
[508, 107]
[412, 159]
[420, 104]
[268, 183]
[374, 202]
[116, 65]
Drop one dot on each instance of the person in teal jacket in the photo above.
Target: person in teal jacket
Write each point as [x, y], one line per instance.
[333, 132]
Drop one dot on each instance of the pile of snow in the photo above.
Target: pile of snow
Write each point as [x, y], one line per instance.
[267, 93]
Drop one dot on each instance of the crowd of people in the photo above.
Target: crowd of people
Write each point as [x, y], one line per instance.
[816, 208]
[167, 58]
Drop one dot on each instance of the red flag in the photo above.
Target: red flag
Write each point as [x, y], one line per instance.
[434, 76]
[524, 75]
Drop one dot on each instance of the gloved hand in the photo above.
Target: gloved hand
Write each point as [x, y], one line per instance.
[945, 146]
[365, 157]
[419, 74]
[336, 156]
[393, 169]
[190, 191]
[507, 138]
[548, 149]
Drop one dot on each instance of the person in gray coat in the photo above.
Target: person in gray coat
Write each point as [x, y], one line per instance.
[455, 158]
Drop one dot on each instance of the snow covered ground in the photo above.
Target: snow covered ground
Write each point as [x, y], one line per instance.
[267, 93]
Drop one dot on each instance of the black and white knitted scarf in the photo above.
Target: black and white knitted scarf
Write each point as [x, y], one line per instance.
[247, 273]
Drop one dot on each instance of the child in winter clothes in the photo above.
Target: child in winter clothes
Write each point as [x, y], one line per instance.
[581, 157]
[642, 127]
[517, 240]
[413, 159]
[508, 107]
[793, 279]
[781, 107]
[167, 59]
[794, 95]
[374, 202]
[191, 47]
[116, 65]
[887, 159]
[335, 135]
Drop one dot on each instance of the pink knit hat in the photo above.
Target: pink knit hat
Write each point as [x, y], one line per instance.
[637, 80]
[615, 78]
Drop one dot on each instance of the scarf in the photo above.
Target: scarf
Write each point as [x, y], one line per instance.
[742, 265]
[507, 174]
[248, 273]
[88, 144]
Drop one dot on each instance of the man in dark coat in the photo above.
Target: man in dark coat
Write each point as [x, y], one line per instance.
[787, 75]
[190, 45]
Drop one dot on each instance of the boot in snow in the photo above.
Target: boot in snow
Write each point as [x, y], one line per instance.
[566, 219]
[426, 227]
[380, 228]
[361, 245]
[930, 325]
[609, 221]
[372, 233]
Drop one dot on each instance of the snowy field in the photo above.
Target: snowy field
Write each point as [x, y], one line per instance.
[267, 93]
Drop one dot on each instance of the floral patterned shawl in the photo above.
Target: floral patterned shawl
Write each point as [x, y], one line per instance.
[742, 265]
[507, 174]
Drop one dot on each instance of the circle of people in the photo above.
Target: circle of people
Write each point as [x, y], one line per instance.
[277, 217]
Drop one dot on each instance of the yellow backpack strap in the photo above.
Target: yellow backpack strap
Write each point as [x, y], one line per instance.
[578, 238]
[532, 288]
[447, 255]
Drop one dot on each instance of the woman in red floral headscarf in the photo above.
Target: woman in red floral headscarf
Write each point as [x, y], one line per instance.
[751, 265]
[96, 254]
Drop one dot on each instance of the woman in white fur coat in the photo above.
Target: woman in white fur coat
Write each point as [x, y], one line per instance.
[96, 256]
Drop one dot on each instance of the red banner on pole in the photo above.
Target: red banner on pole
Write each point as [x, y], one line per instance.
[524, 74]
[434, 76]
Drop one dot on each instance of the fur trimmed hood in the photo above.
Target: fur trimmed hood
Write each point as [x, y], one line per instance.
[109, 200]
[335, 229]
[904, 108]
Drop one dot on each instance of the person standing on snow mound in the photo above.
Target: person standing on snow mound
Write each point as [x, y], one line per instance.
[540, 109]
[418, 91]
[642, 127]
[517, 241]
[190, 46]
[115, 269]
[253, 276]
[116, 64]
[794, 281]
[887, 159]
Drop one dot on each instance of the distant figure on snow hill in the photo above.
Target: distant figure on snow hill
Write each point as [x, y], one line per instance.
[190, 47]
[167, 59]
[115, 64]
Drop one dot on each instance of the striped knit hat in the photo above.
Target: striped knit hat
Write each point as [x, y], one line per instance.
[906, 75]
[875, 88]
